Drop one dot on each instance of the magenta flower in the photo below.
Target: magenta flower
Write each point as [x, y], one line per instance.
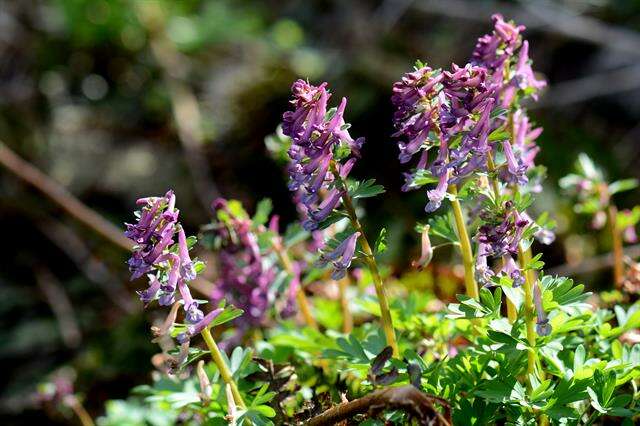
[482, 272]
[493, 50]
[245, 279]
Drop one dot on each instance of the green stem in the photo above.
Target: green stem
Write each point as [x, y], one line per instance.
[529, 310]
[465, 245]
[222, 367]
[512, 312]
[381, 292]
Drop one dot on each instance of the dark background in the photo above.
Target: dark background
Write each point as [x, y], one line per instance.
[100, 95]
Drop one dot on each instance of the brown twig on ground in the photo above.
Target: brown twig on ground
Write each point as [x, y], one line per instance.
[417, 404]
[60, 305]
[60, 195]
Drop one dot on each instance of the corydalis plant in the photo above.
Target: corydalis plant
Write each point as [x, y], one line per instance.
[322, 154]
[473, 116]
[169, 268]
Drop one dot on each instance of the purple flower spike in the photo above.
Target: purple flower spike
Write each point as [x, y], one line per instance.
[341, 256]
[155, 255]
[315, 133]
[244, 279]
[492, 50]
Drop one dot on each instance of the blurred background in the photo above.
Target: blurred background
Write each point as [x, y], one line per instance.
[117, 99]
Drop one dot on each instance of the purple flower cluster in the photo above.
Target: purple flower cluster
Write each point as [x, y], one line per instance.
[502, 231]
[484, 274]
[245, 279]
[315, 133]
[168, 268]
[457, 111]
[451, 110]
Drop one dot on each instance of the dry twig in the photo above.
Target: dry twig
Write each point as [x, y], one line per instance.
[416, 404]
[60, 195]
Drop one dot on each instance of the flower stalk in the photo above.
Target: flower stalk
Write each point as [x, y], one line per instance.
[529, 310]
[465, 245]
[370, 260]
[225, 373]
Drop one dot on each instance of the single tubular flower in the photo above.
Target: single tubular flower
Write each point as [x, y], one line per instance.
[341, 256]
[426, 250]
[543, 328]
[483, 272]
[195, 328]
[516, 170]
[315, 134]
[510, 269]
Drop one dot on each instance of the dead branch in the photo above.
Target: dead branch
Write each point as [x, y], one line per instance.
[69, 242]
[415, 403]
[542, 15]
[61, 196]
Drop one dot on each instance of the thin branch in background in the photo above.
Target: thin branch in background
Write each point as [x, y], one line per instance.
[389, 13]
[61, 306]
[60, 195]
[589, 87]
[414, 402]
[592, 264]
[542, 15]
[561, 20]
[93, 268]
[186, 110]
